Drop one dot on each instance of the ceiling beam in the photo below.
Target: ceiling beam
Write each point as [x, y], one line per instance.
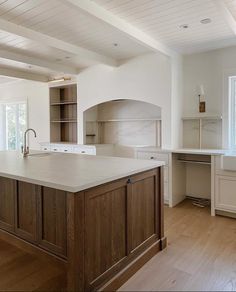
[55, 43]
[36, 62]
[221, 5]
[95, 10]
[12, 72]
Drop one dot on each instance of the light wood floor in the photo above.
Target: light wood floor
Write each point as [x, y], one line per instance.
[23, 271]
[201, 254]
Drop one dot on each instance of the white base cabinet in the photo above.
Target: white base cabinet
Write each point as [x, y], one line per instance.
[225, 188]
[99, 149]
[68, 148]
[157, 155]
[225, 195]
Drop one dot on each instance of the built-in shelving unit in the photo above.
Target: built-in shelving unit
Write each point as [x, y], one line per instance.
[63, 113]
[202, 131]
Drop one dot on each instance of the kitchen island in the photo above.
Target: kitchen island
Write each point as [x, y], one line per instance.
[101, 216]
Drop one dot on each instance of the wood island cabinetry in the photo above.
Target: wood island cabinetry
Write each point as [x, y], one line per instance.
[105, 233]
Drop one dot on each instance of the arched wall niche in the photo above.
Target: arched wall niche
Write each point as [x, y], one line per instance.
[123, 122]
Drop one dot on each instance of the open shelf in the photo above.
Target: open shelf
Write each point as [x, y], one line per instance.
[205, 117]
[63, 114]
[127, 120]
[64, 121]
[202, 131]
[63, 103]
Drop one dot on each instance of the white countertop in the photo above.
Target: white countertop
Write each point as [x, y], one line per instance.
[185, 150]
[69, 172]
[200, 151]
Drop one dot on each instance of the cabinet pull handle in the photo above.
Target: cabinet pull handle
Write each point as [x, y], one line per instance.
[82, 151]
[152, 157]
[129, 181]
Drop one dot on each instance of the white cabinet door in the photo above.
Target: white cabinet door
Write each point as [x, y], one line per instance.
[225, 193]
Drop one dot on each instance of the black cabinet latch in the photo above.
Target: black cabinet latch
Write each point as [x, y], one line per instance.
[129, 181]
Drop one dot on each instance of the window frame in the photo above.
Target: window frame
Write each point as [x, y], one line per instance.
[4, 121]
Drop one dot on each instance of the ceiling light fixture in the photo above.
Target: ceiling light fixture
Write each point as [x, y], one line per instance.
[183, 26]
[61, 79]
[205, 21]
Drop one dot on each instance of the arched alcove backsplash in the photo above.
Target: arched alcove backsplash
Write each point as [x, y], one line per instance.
[124, 122]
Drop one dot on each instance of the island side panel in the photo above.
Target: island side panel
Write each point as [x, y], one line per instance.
[113, 229]
[7, 204]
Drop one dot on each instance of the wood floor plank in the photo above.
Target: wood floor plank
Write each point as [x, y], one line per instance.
[23, 271]
[201, 254]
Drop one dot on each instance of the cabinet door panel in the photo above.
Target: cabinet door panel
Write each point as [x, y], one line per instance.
[225, 193]
[141, 209]
[52, 220]
[105, 229]
[7, 203]
[26, 211]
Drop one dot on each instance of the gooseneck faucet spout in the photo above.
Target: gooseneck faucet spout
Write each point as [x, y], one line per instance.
[25, 148]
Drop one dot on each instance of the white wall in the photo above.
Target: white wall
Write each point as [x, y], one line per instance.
[146, 78]
[212, 70]
[37, 94]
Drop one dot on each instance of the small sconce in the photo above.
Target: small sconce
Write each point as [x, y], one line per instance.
[202, 104]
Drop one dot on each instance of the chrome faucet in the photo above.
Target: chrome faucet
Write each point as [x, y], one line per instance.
[25, 148]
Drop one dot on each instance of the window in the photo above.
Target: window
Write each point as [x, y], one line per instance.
[232, 111]
[13, 123]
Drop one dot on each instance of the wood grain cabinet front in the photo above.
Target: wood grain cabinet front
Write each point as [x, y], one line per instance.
[142, 199]
[121, 220]
[26, 211]
[52, 220]
[7, 204]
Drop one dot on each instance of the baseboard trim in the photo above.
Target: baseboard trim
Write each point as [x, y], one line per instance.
[28, 247]
[118, 280]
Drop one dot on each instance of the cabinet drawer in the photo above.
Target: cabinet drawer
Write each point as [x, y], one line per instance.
[225, 193]
[153, 155]
[84, 150]
[45, 148]
[55, 148]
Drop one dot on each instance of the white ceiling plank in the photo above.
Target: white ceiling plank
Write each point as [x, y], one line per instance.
[93, 9]
[22, 74]
[37, 62]
[56, 43]
[226, 14]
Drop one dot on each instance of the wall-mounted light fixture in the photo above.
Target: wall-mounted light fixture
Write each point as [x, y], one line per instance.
[60, 79]
[201, 96]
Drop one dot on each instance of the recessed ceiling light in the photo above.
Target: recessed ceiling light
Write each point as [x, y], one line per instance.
[205, 21]
[183, 26]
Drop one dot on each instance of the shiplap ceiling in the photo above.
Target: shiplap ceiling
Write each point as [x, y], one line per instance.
[159, 20]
